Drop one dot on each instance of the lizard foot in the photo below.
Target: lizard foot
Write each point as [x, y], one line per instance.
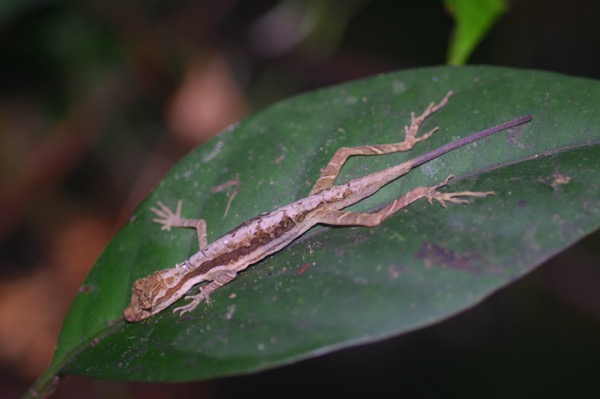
[442, 198]
[196, 299]
[166, 217]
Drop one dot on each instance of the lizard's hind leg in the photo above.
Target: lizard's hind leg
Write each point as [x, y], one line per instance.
[347, 218]
[331, 171]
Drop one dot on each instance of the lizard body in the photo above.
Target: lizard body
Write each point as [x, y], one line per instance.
[218, 263]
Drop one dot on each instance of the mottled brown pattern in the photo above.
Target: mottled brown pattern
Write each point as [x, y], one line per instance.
[260, 239]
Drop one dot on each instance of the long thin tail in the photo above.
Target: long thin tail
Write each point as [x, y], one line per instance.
[467, 140]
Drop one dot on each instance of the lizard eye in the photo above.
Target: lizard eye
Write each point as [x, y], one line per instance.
[145, 301]
[143, 294]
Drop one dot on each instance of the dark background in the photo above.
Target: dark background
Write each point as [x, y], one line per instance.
[99, 98]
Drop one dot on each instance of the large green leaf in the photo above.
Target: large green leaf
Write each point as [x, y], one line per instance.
[338, 287]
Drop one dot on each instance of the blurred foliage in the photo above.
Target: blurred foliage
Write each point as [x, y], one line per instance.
[473, 19]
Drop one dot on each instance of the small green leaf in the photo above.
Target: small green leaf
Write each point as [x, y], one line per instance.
[474, 18]
[338, 287]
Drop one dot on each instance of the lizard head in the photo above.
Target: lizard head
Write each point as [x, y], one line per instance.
[151, 294]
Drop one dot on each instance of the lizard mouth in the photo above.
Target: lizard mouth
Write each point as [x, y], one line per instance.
[136, 311]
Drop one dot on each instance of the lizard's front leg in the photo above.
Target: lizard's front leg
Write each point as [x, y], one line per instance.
[220, 280]
[346, 218]
[331, 171]
[168, 219]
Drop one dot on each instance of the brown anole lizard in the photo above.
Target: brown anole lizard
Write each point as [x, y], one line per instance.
[218, 263]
